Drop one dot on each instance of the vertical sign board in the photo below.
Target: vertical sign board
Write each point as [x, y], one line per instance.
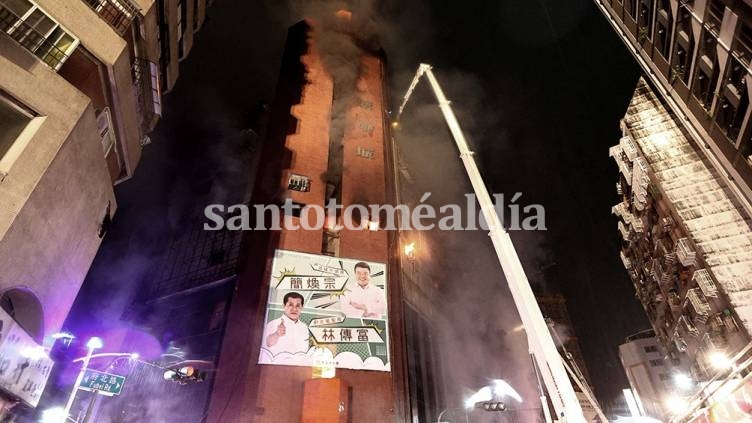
[326, 311]
[24, 366]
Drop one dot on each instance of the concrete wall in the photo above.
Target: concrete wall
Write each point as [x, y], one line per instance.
[200, 14]
[149, 30]
[170, 14]
[109, 48]
[55, 194]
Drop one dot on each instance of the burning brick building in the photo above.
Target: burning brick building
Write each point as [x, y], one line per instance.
[327, 139]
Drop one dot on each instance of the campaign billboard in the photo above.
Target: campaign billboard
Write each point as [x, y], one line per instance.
[326, 311]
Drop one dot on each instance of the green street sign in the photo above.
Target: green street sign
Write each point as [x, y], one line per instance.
[102, 383]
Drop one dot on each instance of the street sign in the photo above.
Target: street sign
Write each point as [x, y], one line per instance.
[102, 383]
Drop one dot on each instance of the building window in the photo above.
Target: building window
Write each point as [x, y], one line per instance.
[656, 363]
[182, 25]
[33, 29]
[742, 45]
[650, 349]
[196, 15]
[684, 45]
[663, 377]
[707, 70]
[664, 22]
[630, 6]
[715, 14]
[645, 20]
[14, 117]
[734, 101]
[299, 183]
[163, 37]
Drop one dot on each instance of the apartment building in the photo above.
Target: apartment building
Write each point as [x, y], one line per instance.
[686, 237]
[81, 84]
[652, 376]
[697, 53]
[685, 164]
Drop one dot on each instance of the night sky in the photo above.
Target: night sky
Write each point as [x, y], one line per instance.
[538, 85]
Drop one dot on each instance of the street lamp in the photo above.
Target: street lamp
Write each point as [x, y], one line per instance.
[54, 415]
[132, 356]
[683, 381]
[720, 360]
[92, 344]
[677, 405]
[438, 420]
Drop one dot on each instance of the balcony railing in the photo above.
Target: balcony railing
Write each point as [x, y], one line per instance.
[117, 13]
[618, 154]
[623, 230]
[670, 259]
[628, 147]
[674, 301]
[688, 326]
[685, 253]
[705, 282]
[148, 95]
[699, 305]
[714, 341]
[28, 37]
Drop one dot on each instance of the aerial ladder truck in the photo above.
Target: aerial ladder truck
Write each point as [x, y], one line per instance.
[549, 363]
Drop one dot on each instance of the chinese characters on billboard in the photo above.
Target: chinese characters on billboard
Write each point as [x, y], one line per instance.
[24, 366]
[326, 311]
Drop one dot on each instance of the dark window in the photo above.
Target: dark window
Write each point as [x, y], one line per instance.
[630, 6]
[650, 348]
[196, 15]
[743, 41]
[683, 46]
[664, 23]
[715, 14]
[645, 19]
[13, 119]
[706, 71]
[182, 26]
[734, 101]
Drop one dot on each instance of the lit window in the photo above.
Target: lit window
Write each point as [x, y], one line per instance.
[33, 29]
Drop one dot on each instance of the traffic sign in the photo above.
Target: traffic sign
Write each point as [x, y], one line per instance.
[102, 383]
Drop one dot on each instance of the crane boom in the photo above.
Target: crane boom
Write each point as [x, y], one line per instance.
[540, 342]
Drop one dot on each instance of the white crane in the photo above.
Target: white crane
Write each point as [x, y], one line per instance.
[540, 342]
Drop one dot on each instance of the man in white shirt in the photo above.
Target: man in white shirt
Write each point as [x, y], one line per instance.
[287, 333]
[363, 300]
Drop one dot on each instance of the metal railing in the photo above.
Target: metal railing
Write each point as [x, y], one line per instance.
[117, 13]
[28, 37]
[148, 96]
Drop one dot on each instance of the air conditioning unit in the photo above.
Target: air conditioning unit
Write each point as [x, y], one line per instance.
[105, 129]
